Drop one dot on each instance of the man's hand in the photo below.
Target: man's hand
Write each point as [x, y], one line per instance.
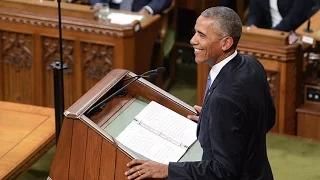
[195, 117]
[141, 169]
[144, 11]
[253, 26]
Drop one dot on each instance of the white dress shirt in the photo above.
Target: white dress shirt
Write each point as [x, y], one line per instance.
[117, 1]
[217, 67]
[275, 14]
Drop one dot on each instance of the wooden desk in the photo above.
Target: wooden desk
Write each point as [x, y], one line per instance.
[29, 45]
[314, 25]
[281, 62]
[26, 133]
[309, 121]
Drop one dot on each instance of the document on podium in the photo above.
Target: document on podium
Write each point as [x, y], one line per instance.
[159, 134]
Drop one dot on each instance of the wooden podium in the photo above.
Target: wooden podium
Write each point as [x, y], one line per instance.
[29, 44]
[281, 62]
[86, 147]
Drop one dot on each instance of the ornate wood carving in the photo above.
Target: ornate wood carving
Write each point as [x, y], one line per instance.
[272, 78]
[16, 49]
[263, 55]
[51, 52]
[97, 59]
[278, 53]
[47, 22]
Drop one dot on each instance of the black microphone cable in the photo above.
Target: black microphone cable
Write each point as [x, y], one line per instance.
[144, 75]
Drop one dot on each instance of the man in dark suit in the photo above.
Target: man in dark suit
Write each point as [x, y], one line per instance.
[236, 114]
[141, 6]
[229, 3]
[282, 15]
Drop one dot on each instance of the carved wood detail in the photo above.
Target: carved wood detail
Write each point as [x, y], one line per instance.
[51, 53]
[66, 25]
[272, 78]
[270, 52]
[263, 55]
[97, 59]
[16, 49]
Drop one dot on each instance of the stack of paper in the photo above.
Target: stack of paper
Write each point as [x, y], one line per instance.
[159, 134]
[122, 18]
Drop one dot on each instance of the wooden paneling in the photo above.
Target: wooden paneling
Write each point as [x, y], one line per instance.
[309, 121]
[309, 126]
[17, 61]
[121, 165]
[78, 150]
[93, 157]
[273, 80]
[108, 160]
[61, 163]
[50, 54]
[87, 155]
[265, 36]
[287, 98]
[29, 44]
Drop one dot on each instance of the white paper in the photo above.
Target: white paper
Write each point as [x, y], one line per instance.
[149, 145]
[168, 123]
[307, 39]
[122, 18]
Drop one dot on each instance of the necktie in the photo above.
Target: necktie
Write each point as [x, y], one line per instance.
[126, 5]
[208, 83]
[207, 87]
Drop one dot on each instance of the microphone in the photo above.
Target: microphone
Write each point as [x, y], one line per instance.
[308, 30]
[144, 75]
[159, 70]
[98, 107]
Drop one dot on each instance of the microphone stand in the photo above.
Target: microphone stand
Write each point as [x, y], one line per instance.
[58, 81]
[307, 29]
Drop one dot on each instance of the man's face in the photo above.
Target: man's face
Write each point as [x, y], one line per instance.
[206, 42]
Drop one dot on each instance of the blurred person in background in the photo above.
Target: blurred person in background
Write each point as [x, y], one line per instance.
[142, 6]
[282, 15]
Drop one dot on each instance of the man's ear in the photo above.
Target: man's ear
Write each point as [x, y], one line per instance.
[227, 43]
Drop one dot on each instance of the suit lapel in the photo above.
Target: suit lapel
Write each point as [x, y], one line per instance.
[226, 70]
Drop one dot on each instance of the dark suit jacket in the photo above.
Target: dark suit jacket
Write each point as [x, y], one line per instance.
[156, 5]
[236, 114]
[293, 12]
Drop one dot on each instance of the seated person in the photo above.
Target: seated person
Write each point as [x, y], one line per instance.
[282, 15]
[229, 3]
[141, 6]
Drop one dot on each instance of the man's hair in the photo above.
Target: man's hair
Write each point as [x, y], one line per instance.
[227, 22]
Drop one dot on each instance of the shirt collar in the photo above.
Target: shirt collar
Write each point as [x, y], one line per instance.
[217, 67]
